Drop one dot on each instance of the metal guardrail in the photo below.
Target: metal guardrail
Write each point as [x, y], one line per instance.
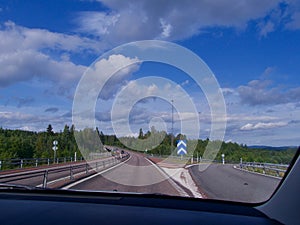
[72, 170]
[34, 162]
[277, 170]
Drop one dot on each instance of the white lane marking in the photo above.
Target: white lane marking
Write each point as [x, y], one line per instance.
[97, 174]
[68, 177]
[63, 178]
[170, 180]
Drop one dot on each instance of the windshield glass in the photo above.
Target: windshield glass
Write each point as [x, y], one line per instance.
[184, 98]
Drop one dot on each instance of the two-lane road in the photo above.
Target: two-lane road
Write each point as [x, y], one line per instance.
[227, 183]
[137, 175]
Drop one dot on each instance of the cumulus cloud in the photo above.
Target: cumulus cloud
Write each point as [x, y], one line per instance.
[107, 72]
[20, 120]
[24, 55]
[259, 92]
[228, 91]
[171, 20]
[26, 65]
[260, 125]
[14, 37]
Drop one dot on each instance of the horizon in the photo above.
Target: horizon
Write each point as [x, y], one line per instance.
[230, 141]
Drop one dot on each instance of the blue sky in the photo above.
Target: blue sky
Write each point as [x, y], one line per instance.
[252, 47]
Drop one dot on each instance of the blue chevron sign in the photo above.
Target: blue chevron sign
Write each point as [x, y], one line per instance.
[181, 147]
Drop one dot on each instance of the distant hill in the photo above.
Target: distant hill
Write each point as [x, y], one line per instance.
[265, 147]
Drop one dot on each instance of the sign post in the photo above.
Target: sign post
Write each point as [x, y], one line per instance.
[55, 143]
[223, 159]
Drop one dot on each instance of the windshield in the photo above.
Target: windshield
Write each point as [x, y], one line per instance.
[196, 99]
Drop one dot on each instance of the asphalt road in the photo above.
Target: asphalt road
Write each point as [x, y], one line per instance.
[137, 175]
[227, 183]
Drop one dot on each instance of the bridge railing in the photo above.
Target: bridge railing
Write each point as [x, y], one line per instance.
[34, 162]
[16, 163]
[72, 171]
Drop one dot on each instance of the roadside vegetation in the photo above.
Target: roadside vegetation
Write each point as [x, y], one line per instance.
[29, 144]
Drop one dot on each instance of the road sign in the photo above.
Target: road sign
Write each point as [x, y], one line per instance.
[54, 148]
[55, 142]
[181, 147]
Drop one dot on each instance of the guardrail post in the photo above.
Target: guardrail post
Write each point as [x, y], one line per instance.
[48, 162]
[36, 162]
[71, 173]
[0, 164]
[45, 179]
[65, 160]
[21, 165]
[57, 160]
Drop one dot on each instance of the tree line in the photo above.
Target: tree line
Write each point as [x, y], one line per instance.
[19, 144]
[30, 144]
[233, 151]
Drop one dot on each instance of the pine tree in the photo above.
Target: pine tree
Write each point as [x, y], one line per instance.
[50, 130]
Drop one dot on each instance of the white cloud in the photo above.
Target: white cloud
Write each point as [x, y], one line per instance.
[98, 23]
[170, 19]
[26, 65]
[260, 92]
[106, 72]
[166, 29]
[260, 125]
[228, 91]
[25, 55]
[186, 82]
[29, 118]
[14, 37]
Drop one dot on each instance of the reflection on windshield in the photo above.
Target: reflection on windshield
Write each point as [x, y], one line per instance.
[236, 174]
[178, 98]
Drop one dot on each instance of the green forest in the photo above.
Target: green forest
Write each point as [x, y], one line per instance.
[19, 144]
